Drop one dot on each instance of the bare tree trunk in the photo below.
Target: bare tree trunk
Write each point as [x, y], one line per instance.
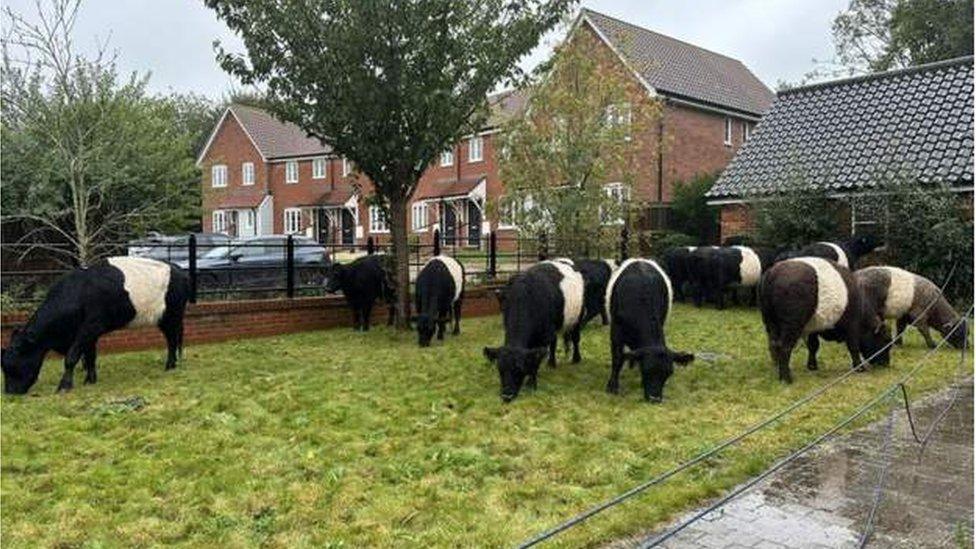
[401, 251]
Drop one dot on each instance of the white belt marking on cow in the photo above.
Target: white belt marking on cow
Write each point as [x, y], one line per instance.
[749, 268]
[841, 254]
[901, 292]
[831, 295]
[456, 270]
[571, 287]
[623, 266]
[146, 282]
[611, 263]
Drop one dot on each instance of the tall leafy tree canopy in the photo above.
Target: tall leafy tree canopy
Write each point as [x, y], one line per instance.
[388, 84]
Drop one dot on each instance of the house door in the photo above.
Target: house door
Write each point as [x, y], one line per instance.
[348, 227]
[474, 224]
[322, 226]
[450, 224]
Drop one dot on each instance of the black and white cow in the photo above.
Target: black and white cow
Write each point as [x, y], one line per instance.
[363, 281]
[539, 304]
[813, 297]
[121, 292]
[700, 264]
[730, 268]
[439, 288]
[596, 275]
[906, 297]
[846, 252]
[638, 300]
[677, 263]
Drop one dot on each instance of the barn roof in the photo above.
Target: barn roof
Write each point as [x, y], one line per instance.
[851, 134]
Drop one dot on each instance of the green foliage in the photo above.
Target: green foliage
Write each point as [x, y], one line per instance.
[927, 232]
[387, 84]
[366, 440]
[674, 240]
[878, 35]
[582, 129]
[690, 211]
[795, 218]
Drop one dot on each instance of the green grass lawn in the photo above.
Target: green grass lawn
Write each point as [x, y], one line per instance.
[339, 439]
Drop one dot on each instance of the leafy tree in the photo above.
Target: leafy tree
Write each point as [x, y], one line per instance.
[388, 84]
[585, 125]
[795, 218]
[89, 159]
[691, 213]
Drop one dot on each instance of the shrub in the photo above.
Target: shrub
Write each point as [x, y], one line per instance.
[690, 211]
[796, 218]
[674, 239]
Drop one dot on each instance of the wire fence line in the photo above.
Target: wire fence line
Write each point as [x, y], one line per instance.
[717, 448]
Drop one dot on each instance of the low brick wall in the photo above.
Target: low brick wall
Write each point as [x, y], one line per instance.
[230, 320]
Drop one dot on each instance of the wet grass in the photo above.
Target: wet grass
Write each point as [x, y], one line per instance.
[338, 439]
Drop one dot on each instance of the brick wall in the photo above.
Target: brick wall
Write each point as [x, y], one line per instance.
[232, 147]
[736, 219]
[232, 320]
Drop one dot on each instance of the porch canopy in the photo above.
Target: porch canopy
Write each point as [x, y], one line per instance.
[240, 202]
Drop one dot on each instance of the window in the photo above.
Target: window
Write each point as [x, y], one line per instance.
[377, 220]
[218, 221]
[247, 173]
[619, 115]
[291, 171]
[746, 131]
[447, 158]
[247, 218]
[476, 149]
[346, 167]
[218, 175]
[619, 194]
[318, 168]
[293, 220]
[512, 210]
[728, 131]
[418, 217]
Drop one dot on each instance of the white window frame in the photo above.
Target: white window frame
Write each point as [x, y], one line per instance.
[728, 131]
[221, 225]
[377, 221]
[247, 174]
[418, 216]
[620, 114]
[318, 168]
[447, 158]
[480, 149]
[293, 220]
[291, 172]
[746, 131]
[346, 167]
[218, 175]
[621, 194]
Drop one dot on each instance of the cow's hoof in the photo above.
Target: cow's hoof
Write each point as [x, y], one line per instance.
[65, 387]
[812, 366]
[613, 389]
[577, 359]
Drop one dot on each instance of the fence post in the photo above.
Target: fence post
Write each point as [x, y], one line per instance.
[624, 238]
[492, 255]
[290, 266]
[543, 246]
[192, 251]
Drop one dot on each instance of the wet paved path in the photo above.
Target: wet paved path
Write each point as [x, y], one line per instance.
[823, 498]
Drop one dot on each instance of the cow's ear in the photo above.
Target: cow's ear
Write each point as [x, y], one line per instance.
[682, 358]
[500, 296]
[491, 353]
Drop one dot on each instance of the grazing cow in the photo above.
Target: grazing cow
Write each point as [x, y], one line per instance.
[677, 263]
[907, 297]
[732, 267]
[846, 253]
[638, 301]
[85, 304]
[439, 288]
[363, 281]
[546, 299]
[700, 263]
[814, 297]
[596, 274]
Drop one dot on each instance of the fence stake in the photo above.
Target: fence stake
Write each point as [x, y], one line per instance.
[192, 250]
[624, 237]
[492, 254]
[290, 266]
[543, 246]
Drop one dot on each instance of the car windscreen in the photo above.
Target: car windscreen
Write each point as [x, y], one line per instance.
[217, 253]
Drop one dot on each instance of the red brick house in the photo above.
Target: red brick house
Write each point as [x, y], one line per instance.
[262, 176]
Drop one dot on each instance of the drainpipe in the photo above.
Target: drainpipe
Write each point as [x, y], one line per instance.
[660, 156]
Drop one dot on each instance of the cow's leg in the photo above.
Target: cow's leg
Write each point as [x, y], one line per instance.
[172, 333]
[754, 295]
[616, 364]
[440, 329]
[532, 377]
[457, 317]
[900, 326]
[552, 353]
[575, 338]
[355, 318]
[813, 345]
[390, 314]
[88, 360]
[367, 316]
[781, 352]
[923, 328]
[87, 336]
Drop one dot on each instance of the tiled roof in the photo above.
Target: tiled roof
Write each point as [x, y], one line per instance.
[337, 196]
[850, 134]
[276, 139]
[449, 188]
[684, 70]
[238, 202]
[503, 106]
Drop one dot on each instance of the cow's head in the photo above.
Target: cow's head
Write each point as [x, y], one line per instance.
[426, 326]
[876, 342]
[513, 365]
[334, 278]
[864, 244]
[656, 366]
[955, 334]
[21, 363]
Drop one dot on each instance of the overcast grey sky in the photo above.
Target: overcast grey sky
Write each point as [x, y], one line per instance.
[172, 39]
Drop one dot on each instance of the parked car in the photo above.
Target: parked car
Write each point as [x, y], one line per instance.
[260, 262]
[176, 248]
